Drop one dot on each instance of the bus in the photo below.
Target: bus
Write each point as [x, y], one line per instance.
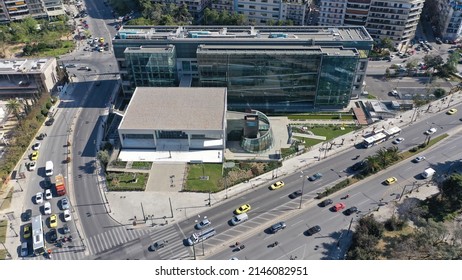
[392, 132]
[380, 136]
[38, 242]
[374, 140]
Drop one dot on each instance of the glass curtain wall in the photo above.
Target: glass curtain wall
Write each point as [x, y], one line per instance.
[271, 81]
[152, 68]
[336, 80]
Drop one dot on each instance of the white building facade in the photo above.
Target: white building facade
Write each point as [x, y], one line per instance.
[188, 122]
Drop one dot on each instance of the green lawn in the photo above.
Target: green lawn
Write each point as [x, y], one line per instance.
[330, 132]
[195, 171]
[141, 165]
[67, 46]
[124, 181]
[408, 154]
[332, 116]
[3, 228]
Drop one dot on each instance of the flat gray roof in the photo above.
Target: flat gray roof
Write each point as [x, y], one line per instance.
[223, 33]
[24, 65]
[172, 108]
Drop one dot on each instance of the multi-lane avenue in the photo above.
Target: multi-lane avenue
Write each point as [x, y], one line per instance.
[269, 207]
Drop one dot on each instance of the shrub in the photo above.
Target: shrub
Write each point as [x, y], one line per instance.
[48, 105]
[44, 112]
[394, 224]
[255, 170]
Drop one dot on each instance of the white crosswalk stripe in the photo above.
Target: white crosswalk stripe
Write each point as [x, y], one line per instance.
[116, 236]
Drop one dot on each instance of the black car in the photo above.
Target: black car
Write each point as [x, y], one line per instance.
[52, 235]
[50, 122]
[296, 194]
[315, 177]
[326, 202]
[351, 210]
[26, 215]
[65, 229]
[313, 230]
[358, 166]
[277, 227]
[41, 136]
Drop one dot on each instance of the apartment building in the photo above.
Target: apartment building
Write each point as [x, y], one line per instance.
[11, 10]
[448, 19]
[356, 12]
[332, 12]
[264, 11]
[395, 19]
[265, 68]
[27, 77]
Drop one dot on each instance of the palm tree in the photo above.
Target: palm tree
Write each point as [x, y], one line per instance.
[383, 157]
[13, 106]
[393, 153]
[372, 165]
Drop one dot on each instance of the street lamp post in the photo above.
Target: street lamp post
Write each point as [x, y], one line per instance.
[17, 181]
[12, 228]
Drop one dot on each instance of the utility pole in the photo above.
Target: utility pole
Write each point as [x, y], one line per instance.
[303, 188]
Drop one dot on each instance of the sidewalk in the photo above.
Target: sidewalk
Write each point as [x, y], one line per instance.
[173, 205]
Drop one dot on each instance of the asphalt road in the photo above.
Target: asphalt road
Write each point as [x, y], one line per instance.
[82, 110]
[269, 207]
[367, 195]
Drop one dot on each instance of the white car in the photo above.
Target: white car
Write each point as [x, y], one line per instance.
[36, 146]
[430, 131]
[419, 159]
[39, 198]
[67, 215]
[48, 195]
[31, 165]
[64, 203]
[47, 208]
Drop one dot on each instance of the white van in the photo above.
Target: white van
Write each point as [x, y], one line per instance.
[428, 173]
[49, 168]
[239, 219]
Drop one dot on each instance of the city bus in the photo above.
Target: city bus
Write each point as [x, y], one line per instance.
[374, 139]
[38, 242]
[380, 136]
[392, 132]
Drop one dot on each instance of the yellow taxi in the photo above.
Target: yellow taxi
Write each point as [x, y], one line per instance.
[27, 231]
[53, 221]
[277, 185]
[391, 180]
[34, 156]
[244, 208]
[452, 111]
[101, 40]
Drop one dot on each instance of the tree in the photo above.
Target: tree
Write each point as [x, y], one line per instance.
[433, 61]
[439, 92]
[387, 73]
[5, 38]
[451, 191]
[386, 43]
[13, 106]
[103, 156]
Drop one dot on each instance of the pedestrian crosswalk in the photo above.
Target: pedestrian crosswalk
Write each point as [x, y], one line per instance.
[110, 239]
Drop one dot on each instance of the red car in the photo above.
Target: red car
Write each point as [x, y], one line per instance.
[337, 207]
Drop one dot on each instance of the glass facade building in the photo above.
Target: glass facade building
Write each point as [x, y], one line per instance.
[270, 69]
